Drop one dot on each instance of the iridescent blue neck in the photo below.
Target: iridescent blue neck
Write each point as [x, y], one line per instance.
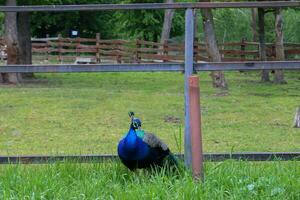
[131, 140]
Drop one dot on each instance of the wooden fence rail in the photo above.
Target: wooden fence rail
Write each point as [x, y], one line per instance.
[97, 50]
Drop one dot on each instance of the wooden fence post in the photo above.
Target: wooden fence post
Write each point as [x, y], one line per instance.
[119, 52]
[98, 37]
[243, 47]
[165, 51]
[77, 46]
[119, 55]
[273, 52]
[48, 46]
[195, 123]
[257, 55]
[59, 48]
[137, 54]
[189, 48]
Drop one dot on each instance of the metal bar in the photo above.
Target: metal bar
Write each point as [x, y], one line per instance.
[195, 123]
[41, 159]
[140, 6]
[66, 68]
[163, 67]
[253, 156]
[189, 52]
[212, 157]
[247, 66]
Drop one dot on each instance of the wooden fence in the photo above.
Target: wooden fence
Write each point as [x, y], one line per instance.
[97, 50]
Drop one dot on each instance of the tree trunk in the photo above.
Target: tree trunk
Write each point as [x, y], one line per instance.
[196, 23]
[262, 50]
[11, 39]
[297, 118]
[24, 37]
[218, 77]
[279, 76]
[254, 24]
[169, 13]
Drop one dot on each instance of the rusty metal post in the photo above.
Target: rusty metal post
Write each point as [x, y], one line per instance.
[195, 123]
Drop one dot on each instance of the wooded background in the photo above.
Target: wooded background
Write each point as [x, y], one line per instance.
[97, 50]
[213, 27]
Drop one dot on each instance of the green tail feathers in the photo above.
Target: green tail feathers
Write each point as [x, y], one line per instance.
[172, 160]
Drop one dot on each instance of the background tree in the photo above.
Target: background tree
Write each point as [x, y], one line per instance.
[87, 23]
[262, 44]
[145, 24]
[227, 24]
[11, 40]
[169, 13]
[279, 76]
[254, 24]
[24, 38]
[291, 26]
[218, 77]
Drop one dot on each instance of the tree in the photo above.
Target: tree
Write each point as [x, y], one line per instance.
[18, 40]
[262, 44]
[218, 77]
[24, 39]
[11, 40]
[254, 24]
[144, 24]
[279, 76]
[87, 23]
[169, 13]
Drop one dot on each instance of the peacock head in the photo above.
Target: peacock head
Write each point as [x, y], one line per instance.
[136, 123]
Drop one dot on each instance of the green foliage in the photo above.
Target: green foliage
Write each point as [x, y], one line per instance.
[225, 180]
[234, 24]
[145, 24]
[230, 24]
[87, 23]
[270, 27]
[291, 27]
[119, 24]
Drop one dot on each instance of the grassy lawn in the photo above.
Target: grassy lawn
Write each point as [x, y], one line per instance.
[87, 113]
[227, 180]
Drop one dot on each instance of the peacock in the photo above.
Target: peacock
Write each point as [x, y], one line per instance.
[138, 149]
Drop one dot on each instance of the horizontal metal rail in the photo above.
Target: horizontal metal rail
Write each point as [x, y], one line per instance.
[247, 66]
[65, 68]
[162, 67]
[213, 157]
[140, 6]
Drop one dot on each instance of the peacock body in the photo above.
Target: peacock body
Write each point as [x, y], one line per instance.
[139, 149]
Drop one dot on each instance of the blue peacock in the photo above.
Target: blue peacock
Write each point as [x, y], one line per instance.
[138, 149]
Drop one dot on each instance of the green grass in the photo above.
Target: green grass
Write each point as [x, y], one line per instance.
[87, 113]
[227, 180]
